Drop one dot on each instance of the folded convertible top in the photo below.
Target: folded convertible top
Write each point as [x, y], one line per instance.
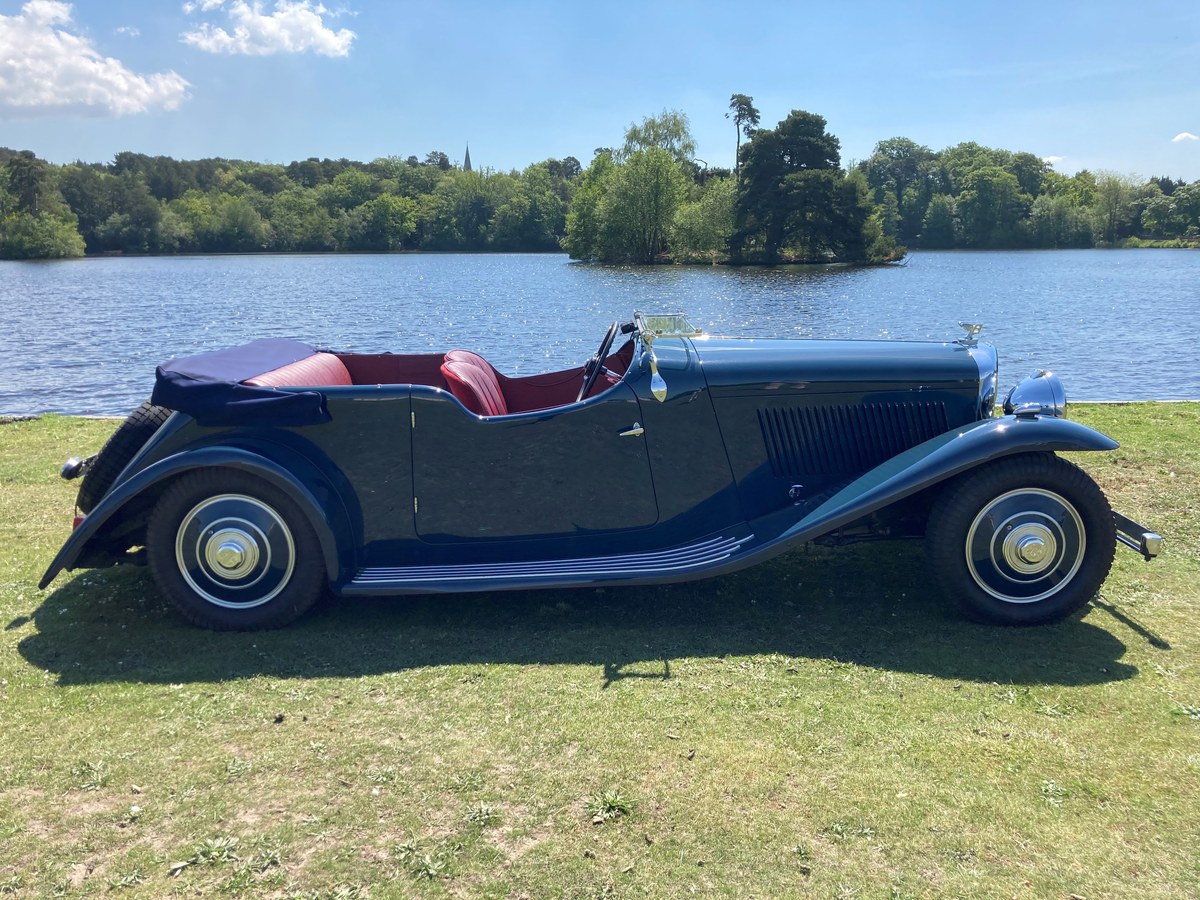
[208, 386]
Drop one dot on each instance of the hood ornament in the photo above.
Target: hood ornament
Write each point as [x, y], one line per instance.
[972, 329]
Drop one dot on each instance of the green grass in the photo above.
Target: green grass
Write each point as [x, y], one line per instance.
[820, 725]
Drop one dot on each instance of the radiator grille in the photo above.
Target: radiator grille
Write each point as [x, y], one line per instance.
[825, 440]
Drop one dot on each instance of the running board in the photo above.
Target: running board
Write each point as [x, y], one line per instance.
[676, 563]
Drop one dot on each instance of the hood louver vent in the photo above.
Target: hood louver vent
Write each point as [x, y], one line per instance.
[827, 440]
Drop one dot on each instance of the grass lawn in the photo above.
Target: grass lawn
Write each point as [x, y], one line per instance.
[818, 726]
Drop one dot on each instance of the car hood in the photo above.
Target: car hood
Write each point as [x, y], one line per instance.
[737, 367]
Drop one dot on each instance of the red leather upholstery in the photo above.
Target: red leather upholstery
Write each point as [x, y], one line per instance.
[475, 383]
[318, 370]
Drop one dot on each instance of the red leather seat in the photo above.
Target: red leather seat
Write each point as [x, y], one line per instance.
[475, 383]
[318, 370]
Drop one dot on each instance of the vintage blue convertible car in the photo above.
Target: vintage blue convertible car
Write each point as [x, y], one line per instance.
[257, 477]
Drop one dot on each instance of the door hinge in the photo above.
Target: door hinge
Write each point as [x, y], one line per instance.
[416, 506]
[413, 419]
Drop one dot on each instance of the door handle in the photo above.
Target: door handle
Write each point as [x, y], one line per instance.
[635, 430]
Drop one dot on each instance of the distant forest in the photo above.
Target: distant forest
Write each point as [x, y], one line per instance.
[648, 200]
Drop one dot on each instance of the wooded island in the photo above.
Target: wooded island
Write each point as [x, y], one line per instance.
[649, 200]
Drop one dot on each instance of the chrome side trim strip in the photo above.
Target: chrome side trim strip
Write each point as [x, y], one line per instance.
[701, 554]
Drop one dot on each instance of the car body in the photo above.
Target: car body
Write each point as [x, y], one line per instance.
[268, 473]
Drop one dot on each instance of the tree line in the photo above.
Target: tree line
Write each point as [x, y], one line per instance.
[972, 196]
[155, 204]
[788, 199]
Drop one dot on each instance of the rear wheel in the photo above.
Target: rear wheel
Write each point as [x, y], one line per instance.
[233, 552]
[1021, 541]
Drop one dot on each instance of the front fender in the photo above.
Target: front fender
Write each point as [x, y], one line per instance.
[940, 458]
[325, 522]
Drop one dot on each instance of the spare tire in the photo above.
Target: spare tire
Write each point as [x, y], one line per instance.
[115, 455]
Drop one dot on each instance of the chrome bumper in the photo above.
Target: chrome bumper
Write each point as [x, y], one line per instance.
[1136, 537]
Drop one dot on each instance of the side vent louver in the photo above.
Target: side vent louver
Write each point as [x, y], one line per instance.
[824, 440]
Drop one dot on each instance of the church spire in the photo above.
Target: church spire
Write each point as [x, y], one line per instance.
[467, 160]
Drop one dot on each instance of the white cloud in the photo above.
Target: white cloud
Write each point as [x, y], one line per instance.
[128, 30]
[1053, 160]
[44, 68]
[203, 6]
[293, 27]
[1184, 136]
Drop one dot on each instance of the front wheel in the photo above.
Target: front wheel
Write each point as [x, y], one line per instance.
[1021, 541]
[233, 552]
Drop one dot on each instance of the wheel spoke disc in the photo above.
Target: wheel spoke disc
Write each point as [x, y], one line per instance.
[235, 551]
[1025, 545]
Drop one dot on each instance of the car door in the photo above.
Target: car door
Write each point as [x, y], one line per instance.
[574, 470]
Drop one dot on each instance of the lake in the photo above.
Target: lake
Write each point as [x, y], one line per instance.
[84, 336]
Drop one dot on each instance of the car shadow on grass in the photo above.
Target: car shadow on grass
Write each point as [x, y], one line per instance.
[870, 605]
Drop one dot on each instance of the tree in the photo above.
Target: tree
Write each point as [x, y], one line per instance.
[307, 173]
[1168, 185]
[415, 180]
[1079, 188]
[534, 215]
[300, 222]
[962, 159]
[438, 160]
[1187, 202]
[133, 225]
[623, 211]
[35, 223]
[457, 214]
[668, 131]
[1030, 172]
[908, 172]
[27, 180]
[384, 223]
[90, 193]
[745, 121]
[991, 208]
[1113, 210]
[1057, 222]
[639, 206]
[939, 228]
[582, 240]
[268, 180]
[792, 164]
[24, 235]
[238, 228]
[350, 188]
[702, 228]
[569, 168]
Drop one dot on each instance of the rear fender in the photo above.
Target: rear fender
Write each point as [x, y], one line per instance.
[327, 516]
[940, 458]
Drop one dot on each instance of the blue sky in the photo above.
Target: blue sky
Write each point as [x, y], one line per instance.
[1102, 85]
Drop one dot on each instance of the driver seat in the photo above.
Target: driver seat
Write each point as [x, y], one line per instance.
[475, 382]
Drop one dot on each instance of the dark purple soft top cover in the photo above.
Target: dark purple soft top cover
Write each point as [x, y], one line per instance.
[208, 386]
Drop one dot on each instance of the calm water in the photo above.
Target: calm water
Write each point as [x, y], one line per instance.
[84, 336]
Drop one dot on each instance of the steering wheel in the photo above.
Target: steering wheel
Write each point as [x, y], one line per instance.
[591, 371]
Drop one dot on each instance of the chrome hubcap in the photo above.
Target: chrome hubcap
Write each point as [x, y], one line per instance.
[1025, 545]
[235, 551]
[1030, 547]
[232, 552]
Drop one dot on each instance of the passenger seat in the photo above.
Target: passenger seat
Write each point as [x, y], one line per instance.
[475, 382]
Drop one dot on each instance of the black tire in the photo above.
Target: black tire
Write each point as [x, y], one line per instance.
[234, 553]
[1021, 541]
[116, 453]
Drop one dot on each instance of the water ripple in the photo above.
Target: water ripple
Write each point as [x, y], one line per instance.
[84, 336]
